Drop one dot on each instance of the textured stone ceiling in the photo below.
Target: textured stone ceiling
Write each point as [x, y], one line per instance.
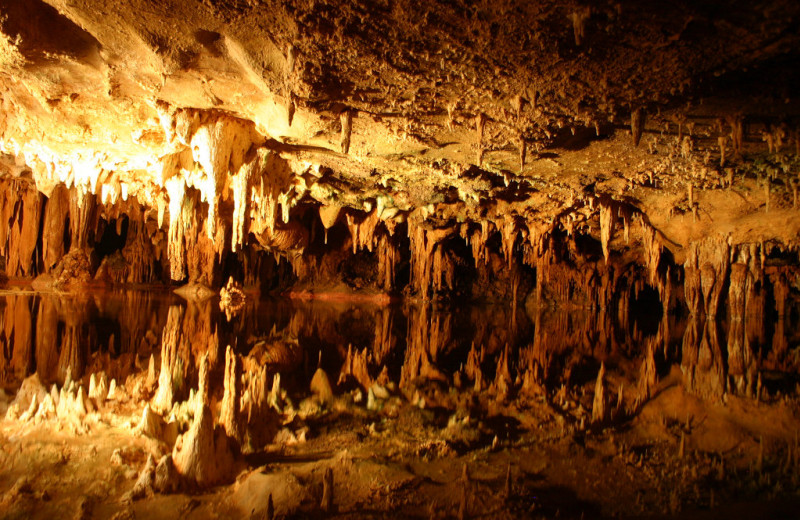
[446, 111]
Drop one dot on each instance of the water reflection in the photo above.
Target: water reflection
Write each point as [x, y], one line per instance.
[503, 350]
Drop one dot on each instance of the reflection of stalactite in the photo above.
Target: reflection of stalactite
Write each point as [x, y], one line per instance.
[385, 339]
[702, 362]
[47, 340]
[649, 375]
[230, 416]
[428, 335]
[19, 334]
[689, 351]
[171, 378]
[72, 360]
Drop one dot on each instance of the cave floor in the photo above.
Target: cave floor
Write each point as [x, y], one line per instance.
[527, 453]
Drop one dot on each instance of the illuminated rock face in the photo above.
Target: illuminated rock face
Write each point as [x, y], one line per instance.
[519, 152]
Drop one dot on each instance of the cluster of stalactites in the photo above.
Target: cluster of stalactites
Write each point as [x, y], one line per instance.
[221, 157]
[28, 215]
[705, 272]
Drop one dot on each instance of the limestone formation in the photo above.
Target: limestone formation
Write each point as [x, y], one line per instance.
[172, 375]
[204, 455]
[230, 415]
[326, 505]
[231, 298]
[599, 413]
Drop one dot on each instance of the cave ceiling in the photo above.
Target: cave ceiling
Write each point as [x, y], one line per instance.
[455, 110]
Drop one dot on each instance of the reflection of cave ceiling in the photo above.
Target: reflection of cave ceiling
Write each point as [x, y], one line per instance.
[505, 107]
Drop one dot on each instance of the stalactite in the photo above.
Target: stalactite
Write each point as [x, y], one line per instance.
[388, 257]
[508, 230]
[47, 340]
[705, 274]
[606, 227]
[241, 188]
[424, 245]
[55, 219]
[653, 249]
[219, 146]
[18, 325]
[81, 214]
[737, 134]
[480, 124]
[426, 336]
[362, 230]
[176, 188]
[578, 19]
[23, 230]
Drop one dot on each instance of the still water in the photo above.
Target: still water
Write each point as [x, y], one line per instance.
[522, 350]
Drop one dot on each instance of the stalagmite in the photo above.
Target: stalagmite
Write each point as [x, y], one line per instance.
[230, 416]
[203, 454]
[347, 127]
[362, 230]
[721, 140]
[321, 387]
[649, 375]
[171, 376]
[167, 479]
[356, 366]
[144, 484]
